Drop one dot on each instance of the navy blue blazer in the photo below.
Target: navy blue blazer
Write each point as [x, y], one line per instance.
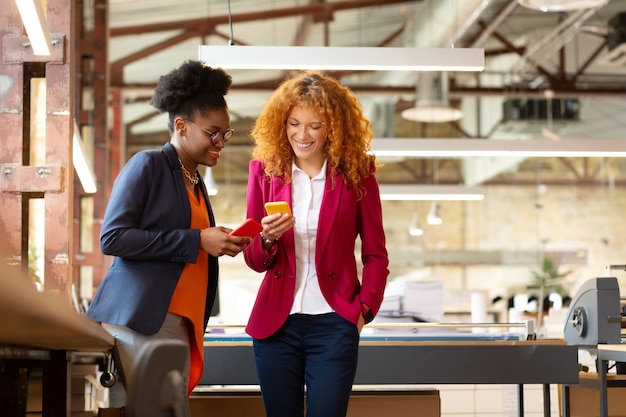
[146, 229]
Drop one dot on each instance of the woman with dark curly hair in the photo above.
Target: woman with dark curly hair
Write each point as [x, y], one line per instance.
[312, 145]
[160, 228]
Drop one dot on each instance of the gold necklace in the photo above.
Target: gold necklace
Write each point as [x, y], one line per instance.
[193, 179]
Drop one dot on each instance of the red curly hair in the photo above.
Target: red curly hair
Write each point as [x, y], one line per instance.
[349, 132]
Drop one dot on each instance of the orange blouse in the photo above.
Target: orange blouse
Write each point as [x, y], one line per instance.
[191, 291]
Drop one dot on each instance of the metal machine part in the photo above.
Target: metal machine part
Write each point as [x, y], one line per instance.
[108, 377]
[594, 316]
[579, 320]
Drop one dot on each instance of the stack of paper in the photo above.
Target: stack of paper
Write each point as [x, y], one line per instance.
[424, 300]
[392, 304]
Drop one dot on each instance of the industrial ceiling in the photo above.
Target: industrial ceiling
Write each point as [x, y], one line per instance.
[548, 75]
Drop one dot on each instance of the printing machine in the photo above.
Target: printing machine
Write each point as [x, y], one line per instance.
[594, 315]
[594, 325]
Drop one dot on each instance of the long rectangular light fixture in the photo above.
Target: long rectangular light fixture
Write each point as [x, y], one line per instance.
[343, 58]
[459, 148]
[79, 159]
[36, 25]
[430, 192]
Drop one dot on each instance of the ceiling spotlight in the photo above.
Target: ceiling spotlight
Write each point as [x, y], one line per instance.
[561, 5]
[433, 215]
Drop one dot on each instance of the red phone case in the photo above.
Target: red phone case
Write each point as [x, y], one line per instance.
[249, 228]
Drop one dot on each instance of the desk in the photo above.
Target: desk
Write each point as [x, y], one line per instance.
[414, 359]
[39, 330]
[606, 353]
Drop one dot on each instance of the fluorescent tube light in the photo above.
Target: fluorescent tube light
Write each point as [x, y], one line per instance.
[459, 148]
[83, 168]
[36, 25]
[430, 192]
[343, 58]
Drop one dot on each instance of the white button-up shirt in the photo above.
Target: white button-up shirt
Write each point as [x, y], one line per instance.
[307, 194]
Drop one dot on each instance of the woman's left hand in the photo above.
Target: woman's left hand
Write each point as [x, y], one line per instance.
[276, 224]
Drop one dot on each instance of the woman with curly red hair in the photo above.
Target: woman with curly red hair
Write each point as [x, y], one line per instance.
[312, 144]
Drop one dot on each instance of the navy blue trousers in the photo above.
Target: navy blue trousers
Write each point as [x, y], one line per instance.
[316, 351]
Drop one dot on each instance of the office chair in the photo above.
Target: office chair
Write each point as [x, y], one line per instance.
[159, 385]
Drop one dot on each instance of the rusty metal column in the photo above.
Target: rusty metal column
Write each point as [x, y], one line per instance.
[92, 100]
[59, 129]
[117, 139]
[115, 148]
[11, 134]
[53, 180]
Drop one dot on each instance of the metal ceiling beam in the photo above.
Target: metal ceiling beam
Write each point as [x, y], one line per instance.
[560, 91]
[319, 9]
[520, 51]
[478, 38]
[207, 26]
[117, 67]
[591, 59]
[588, 89]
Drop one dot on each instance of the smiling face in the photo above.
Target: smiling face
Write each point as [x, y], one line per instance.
[307, 136]
[197, 146]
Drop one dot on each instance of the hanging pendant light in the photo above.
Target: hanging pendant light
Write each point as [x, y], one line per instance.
[433, 215]
[561, 5]
[414, 228]
[432, 104]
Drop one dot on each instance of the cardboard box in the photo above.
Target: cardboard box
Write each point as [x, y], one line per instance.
[585, 402]
[112, 412]
[584, 398]
[410, 403]
[418, 403]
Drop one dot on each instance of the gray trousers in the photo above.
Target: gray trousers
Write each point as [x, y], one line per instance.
[128, 343]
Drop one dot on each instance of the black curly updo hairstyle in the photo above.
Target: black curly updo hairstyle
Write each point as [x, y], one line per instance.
[192, 88]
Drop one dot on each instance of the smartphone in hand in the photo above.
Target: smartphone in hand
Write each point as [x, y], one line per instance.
[249, 228]
[277, 207]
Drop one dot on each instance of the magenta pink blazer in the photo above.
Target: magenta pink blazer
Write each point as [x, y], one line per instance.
[342, 219]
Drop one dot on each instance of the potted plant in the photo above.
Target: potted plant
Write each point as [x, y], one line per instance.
[548, 279]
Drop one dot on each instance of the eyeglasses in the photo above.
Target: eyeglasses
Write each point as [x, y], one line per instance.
[215, 136]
